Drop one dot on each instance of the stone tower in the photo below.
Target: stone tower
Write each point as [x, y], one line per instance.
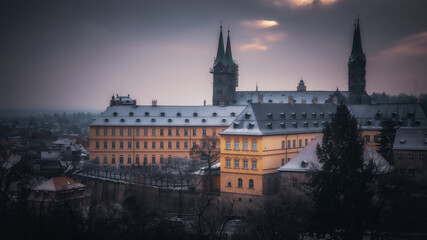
[225, 74]
[357, 70]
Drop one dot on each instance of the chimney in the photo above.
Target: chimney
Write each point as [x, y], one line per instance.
[154, 103]
[315, 100]
[291, 100]
[204, 102]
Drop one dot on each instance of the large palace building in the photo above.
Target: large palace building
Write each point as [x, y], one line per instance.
[258, 131]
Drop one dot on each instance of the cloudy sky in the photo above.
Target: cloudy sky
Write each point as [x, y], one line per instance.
[62, 54]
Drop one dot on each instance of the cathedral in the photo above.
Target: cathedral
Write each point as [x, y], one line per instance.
[225, 80]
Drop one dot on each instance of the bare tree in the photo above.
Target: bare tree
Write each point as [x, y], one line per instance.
[208, 152]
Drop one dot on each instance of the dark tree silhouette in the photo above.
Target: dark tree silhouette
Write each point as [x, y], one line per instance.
[386, 138]
[207, 151]
[341, 189]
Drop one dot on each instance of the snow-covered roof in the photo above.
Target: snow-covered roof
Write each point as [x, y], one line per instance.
[307, 160]
[123, 115]
[50, 154]
[63, 141]
[247, 97]
[407, 115]
[277, 119]
[58, 184]
[411, 139]
[11, 161]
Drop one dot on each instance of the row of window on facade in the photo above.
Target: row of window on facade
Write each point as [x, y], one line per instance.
[368, 138]
[153, 132]
[237, 164]
[254, 144]
[411, 157]
[153, 145]
[121, 159]
[240, 183]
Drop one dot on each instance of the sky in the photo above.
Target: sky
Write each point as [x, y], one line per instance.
[76, 54]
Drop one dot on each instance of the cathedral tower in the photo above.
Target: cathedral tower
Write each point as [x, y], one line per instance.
[357, 70]
[225, 74]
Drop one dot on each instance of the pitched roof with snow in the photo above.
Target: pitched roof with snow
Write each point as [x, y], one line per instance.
[123, 115]
[411, 139]
[58, 184]
[247, 97]
[278, 119]
[307, 160]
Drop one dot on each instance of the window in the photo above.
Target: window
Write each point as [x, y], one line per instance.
[185, 132]
[113, 132]
[161, 159]
[161, 145]
[228, 182]
[121, 145]
[169, 132]
[376, 138]
[105, 145]
[137, 132]
[240, 183]
[293, 143]
[169, 158]
[294, 182]
[97, 131]
[254, 165]
[410, 157]
[283, 144]
[194, 144]
[185, 145]
[153, 132]
[177, 145]
[245, 164]
[153, 145]
[254, 146]
[411, 171]
[145, 132]
[421, 157]
[305, 142]
[245, 146]
[169, 145]
[113, 145]
[145, 159]
[177, 132]
[97, 160]
[399, 156]
[236, 163]
[289, 143]
[161, 131]
[145, 145]
[137, 144]
[228, 163]
[153, 159]
[300, 143]
[228, 145]
[204, 145]
[113, 159]
[367, 138]
[105, 132]
[129, 132]
[129, 145]
[137, 159]
[129, 159]
[97, 145]
[236, 145]
[283, 161]
[121, 131]
[204, 132]
[121, 158]
[213, 132]
[105, 159]
[194, 132]
[214, 144]
[251, 184]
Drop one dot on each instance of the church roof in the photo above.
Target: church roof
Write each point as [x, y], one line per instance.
[246, 97]
[168, 116]
[278, 119]
[220, 56]
[357, 50]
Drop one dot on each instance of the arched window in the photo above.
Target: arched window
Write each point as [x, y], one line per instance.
[240, 183]
[251, 183]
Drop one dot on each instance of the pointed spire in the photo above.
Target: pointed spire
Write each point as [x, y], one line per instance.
[256, 87]
[357, 41]
[228, 55]
[220, 56]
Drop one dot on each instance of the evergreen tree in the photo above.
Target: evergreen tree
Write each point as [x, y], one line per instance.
[341, 189]
[386, 138]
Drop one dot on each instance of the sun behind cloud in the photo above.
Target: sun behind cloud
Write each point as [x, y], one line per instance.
[259, 24]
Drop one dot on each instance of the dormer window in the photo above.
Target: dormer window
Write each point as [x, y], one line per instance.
[122, 120]
[162, 114]
[106, 120]
[203, 120]
[270, 116]
[195, 114]
[214, 114]
[316, 124]
[147, 114]
[178, 114]
[115, 114]
[233, 114]
[235, 125]
[283, 125]
[138, 120]
[270, 101]
[247, 115]
[153, 120]
[269, 125]
[187, 120]
[131, 114]
[313, 115]
[295, 124]
[283, 115]
[369, 122]
[304, 115]
[294, 115]
[169, 120]
[223, 120]
[251, 125]
[322, 114]
[402, 140]
[305, 124]
[394, 114]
